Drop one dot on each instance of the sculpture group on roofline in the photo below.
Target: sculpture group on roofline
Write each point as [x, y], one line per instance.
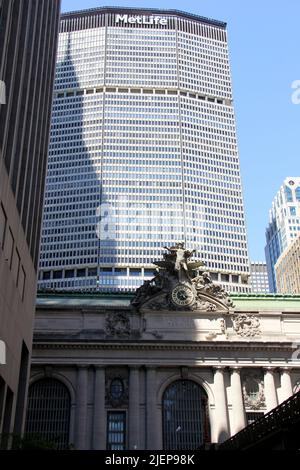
[181, 284]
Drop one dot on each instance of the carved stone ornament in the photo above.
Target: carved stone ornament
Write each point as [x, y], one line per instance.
[253, 392]
[117, 324]
[223, 326]
[246, 325]
[179, 284]
[116, 389]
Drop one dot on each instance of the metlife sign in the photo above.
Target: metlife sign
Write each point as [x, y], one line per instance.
[141, 19]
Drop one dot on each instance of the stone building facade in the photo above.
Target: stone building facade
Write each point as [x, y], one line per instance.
[28, 39]
[147, 378]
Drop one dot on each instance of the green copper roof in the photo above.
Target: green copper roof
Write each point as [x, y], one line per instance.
[92, 299]
[250, 302]
[279, 302]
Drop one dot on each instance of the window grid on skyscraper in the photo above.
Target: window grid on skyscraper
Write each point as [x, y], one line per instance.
[143, 126]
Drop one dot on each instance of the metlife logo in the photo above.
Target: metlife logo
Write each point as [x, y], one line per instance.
[141, 19]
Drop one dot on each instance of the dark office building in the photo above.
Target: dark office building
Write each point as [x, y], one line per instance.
[28, 40]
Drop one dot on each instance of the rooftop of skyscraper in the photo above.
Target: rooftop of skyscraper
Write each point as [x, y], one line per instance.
[146, 11]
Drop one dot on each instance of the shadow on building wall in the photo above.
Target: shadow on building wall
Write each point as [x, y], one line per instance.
[76, 209]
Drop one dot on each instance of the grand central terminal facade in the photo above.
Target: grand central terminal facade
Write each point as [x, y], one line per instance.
[179, 365]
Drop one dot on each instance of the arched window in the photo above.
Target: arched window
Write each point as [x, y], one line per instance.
[288, 194]
[48, 412]
[185, 416]
[252, 388]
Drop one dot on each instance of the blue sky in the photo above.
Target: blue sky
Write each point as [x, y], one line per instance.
[265, 60]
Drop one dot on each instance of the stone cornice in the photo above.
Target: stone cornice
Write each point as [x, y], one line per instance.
[168, 345]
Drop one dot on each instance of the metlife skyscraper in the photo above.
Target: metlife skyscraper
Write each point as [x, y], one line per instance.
[143, 151]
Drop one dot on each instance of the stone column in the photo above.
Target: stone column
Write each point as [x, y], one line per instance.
[81, 408]
[286, 384]
[99, 423]
[270, 389]
[151, 410]
[134, 407]
[238, 415]
[221, 416]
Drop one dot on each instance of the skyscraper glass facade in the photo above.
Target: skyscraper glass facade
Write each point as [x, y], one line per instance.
[143, 151]
[284, 224]
[259, 277]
